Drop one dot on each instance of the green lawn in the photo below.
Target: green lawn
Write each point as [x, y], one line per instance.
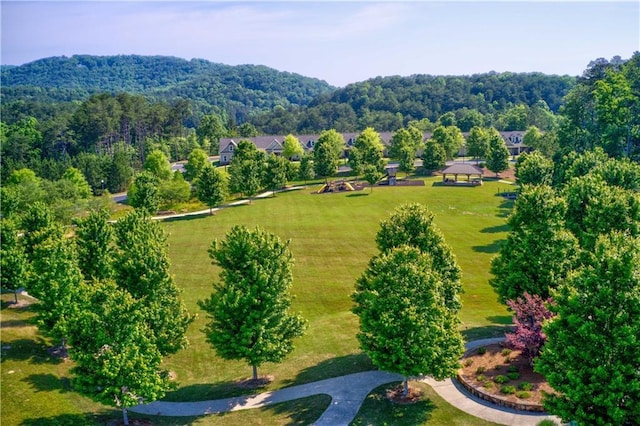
[332, 239]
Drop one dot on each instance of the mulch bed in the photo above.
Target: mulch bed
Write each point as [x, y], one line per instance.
[396, 395]
[479, 371]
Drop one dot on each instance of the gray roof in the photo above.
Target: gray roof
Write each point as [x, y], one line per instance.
[462, 169]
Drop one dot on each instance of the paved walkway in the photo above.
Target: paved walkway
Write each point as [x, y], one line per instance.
[347, 394]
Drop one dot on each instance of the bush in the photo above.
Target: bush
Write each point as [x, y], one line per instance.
[480, 370]
[513, 376]
[481, 378]
[482, 350]
[512, 369]
[547, 422]
[508, 390]
[500, 379]
[468, 362]
[506, 352]
[523, 394]
[525, 386]
[488, 384]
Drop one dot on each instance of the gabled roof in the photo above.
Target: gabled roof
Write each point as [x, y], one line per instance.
[274, 146]
[462, 169]
[232, 143]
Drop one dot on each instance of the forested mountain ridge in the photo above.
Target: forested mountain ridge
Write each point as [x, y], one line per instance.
[240, 90]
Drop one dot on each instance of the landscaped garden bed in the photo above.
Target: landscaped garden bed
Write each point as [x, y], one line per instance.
[503, 376]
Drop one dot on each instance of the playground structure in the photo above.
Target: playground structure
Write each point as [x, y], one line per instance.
[336, 186]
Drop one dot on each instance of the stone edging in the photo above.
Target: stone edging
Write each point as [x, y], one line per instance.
[523, 406]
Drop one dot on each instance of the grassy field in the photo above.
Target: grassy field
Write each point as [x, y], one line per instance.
[332, 240]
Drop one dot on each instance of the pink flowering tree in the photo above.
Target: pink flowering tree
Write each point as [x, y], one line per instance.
[530, 311]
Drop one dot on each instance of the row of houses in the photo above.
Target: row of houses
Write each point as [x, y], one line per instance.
[274, 144]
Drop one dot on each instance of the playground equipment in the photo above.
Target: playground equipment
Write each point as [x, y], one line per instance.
[336, 186]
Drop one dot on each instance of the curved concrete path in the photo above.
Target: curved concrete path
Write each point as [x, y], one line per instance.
[347, 394]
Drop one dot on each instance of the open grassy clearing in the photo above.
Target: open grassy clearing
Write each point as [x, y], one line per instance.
[332, 239]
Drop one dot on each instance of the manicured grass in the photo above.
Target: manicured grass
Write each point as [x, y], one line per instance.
[332, 239]
[430, 409]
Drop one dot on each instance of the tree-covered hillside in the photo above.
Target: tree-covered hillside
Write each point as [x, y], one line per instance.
[388, 103]
[239, 91]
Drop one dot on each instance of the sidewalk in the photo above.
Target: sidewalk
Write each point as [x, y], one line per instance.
[347, 394]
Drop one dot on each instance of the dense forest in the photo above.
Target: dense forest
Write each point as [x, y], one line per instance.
[103, 115]
[240, 91]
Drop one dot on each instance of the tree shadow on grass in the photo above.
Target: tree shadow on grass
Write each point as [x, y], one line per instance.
[302, 411]
[333, 367]
[186, 218]
[33, 351]
[492, 248]
[496, 229]
[378, 409]
[211, 391]
[486, 332]
[66, 420]
[360, 194]
[48, 383]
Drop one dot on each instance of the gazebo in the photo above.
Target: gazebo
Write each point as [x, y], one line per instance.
[473, 174]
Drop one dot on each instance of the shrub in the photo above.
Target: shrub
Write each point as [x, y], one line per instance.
[468, 362]
[525, 386]
[481, 378]
[506, 352]
[547, 422]
[480, 370]
[488, 384]
[523, 394]
[512, 369]
[508, 390]
[482, 350]
[513, 376]
[500, 379]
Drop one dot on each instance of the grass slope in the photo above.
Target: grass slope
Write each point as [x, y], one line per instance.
[332, 240]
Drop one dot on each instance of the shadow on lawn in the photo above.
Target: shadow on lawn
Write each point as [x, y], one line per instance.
[66, 419]
[486, 332]
[33, 351]
[492, 248]
[378, 409]
[208, 391]
[495, 229]
[303, 411]
[48, 383]
[333, 367]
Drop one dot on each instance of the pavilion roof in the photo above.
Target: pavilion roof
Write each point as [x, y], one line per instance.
[462, 169]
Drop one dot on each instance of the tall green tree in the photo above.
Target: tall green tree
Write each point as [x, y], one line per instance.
[174, 191]
[595, 208]
[94, 240]
[143, 193]
[275, 173]
[13, 260]
[142, 269]
[450, 138]
[434, 156]
[249, 309]
[80, 184]
[539, 251]
[197, 161]
[212, 186]
[477, 143]
[534, 169]
[209, 132]
[405, 326]
[404, 147]
[120, 170]
[117, 362]
[413, 225]
[592, 353]
[246, 169]
[306, 173]
[292, 147]
[498, 156]
[326, 153]
[158, 164]
[367, 151]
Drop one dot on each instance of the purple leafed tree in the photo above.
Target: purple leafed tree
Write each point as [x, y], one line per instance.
[530, 311]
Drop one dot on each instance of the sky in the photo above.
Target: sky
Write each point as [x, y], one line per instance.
[336, 41]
